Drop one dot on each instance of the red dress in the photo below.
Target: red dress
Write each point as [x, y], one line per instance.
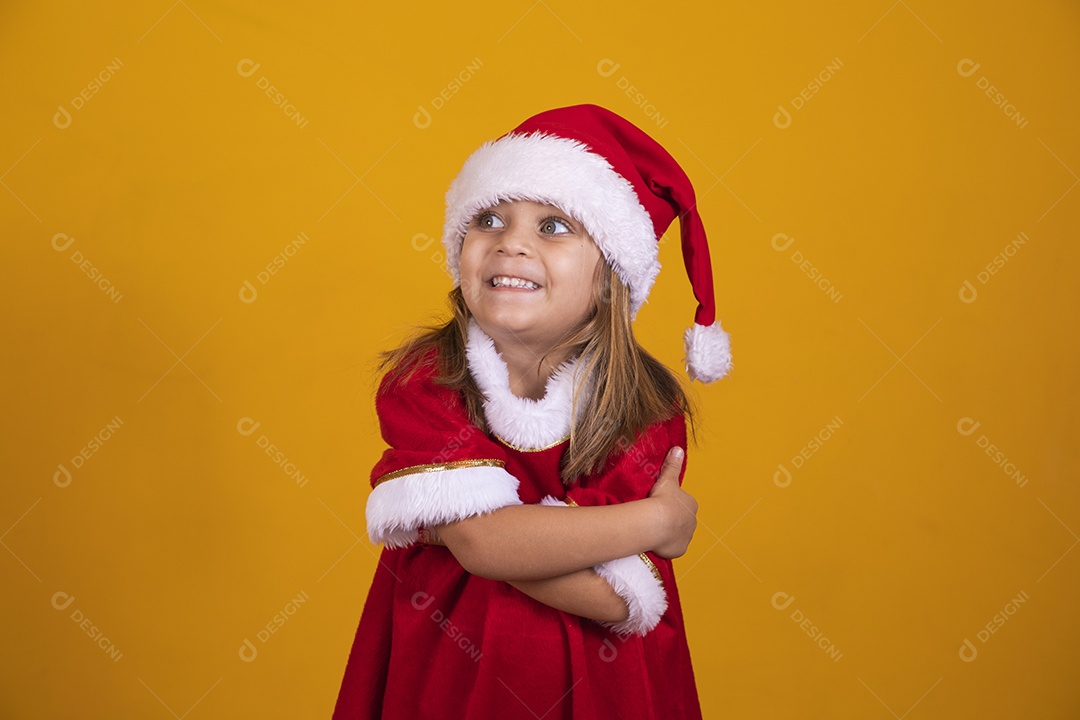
[437, 642]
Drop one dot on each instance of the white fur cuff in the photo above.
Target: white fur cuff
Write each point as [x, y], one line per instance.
[397, 508]
[644, 594]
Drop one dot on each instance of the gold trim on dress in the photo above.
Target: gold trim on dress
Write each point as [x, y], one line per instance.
[439, 467]
[509, 444]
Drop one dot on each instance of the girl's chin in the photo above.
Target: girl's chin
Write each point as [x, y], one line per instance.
[509, 324]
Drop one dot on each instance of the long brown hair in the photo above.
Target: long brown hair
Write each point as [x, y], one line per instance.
[631, 390]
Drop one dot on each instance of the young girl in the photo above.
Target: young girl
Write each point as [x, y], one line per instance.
[528, 538]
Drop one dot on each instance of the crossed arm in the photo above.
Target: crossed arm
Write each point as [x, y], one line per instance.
[548, 552]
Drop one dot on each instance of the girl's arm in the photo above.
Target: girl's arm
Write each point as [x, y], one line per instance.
[582, 592]
[535, 542]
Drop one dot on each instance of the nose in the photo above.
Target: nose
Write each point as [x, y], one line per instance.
[516, 239]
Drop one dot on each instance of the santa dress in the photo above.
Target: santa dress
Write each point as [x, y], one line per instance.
[435, 641]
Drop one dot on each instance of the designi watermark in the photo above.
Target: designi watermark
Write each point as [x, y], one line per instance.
[62, 601]
[782, 117]
[422, 118]
[967, 426]
[782, 600]
[422, 241]
[248, 650]
[248, 292]
[968, 650]
[247, 426]
[968, 67]
[968, 292]
[61, 242]
[62, 117]
[782, 241]
[248, 67]
[607, 68]
[422, 601]
[782, 476]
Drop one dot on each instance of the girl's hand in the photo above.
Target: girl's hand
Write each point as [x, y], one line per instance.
[676, 509]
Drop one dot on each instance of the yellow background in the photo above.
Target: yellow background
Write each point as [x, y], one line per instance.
[899, 181]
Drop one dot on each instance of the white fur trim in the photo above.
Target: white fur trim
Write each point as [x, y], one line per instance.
[708, 352]
[551, 500]
[563, 172]
[522, 422]
[396, 508]
[635, 583]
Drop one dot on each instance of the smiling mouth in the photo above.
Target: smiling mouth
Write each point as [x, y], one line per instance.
[509, 281]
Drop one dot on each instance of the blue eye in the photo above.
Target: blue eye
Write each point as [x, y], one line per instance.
[548, 227]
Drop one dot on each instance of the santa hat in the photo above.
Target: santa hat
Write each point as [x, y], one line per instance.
[622, 185]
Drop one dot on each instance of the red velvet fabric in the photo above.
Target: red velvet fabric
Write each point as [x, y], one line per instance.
[437, 642]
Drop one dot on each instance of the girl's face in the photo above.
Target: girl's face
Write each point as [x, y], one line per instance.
[527, 272]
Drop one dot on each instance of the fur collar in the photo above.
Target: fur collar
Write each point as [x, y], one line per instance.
[521, 423]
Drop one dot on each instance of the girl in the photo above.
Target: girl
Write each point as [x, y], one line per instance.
[527, 569]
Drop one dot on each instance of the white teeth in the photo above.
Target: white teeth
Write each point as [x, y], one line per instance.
[504, 281]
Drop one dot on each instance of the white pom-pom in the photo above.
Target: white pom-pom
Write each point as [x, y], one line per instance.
[708, 352]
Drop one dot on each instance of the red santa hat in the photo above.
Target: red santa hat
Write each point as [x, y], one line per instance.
[622, 185]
